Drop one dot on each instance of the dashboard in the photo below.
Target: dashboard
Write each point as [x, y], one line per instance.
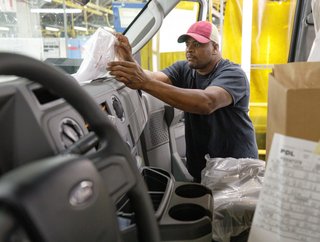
[37, 123]
[53, 162]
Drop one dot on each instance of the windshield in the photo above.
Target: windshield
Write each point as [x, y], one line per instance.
[58, 28]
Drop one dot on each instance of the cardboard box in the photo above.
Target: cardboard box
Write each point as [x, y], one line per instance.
[294, 101]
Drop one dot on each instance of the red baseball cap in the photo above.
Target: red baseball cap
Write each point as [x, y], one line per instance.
[201, 31]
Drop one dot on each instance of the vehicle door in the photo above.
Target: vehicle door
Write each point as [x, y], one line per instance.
[163, 137]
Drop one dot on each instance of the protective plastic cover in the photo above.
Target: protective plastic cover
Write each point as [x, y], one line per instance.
[235, 184]
[98, 51]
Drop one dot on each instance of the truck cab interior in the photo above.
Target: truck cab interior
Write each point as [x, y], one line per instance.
[98, 161]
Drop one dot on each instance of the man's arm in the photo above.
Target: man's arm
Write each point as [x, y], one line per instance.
[159, 85]
[124, 52]
[190, 100]
[158, 75]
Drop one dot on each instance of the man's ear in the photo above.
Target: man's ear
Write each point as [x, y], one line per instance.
[215, 48]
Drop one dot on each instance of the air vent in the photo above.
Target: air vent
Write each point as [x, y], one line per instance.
[44, 96]
[70, 132]
[117, 106]
[105, 108]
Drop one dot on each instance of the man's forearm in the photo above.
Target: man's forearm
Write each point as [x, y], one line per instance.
[159, 76]
[189, 100]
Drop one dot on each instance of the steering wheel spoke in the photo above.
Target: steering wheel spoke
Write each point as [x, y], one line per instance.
[115, 170]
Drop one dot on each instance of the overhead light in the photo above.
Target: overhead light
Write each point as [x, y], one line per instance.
[52, 29]
[55, 10]
[4, 29]
[80, 28]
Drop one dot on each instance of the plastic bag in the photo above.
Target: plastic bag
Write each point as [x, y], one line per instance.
[315, 49]
[314, 54]
[235, 185]
[98, 51]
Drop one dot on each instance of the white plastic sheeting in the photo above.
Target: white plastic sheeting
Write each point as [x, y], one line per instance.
[315, 50]
[235, 185]
[98, 51]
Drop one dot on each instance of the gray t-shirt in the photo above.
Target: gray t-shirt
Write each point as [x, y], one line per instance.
[227, 132]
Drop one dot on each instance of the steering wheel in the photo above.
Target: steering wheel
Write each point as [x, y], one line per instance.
[72, 197]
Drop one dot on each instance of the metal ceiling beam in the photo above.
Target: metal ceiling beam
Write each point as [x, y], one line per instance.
[97, 7]
[90, 7]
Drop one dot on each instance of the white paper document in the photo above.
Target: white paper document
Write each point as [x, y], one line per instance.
[288, 209]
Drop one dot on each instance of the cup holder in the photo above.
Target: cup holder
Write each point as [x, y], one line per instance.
[192, 191]
[188, 212]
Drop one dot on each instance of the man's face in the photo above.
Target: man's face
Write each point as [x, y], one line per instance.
[199, 55]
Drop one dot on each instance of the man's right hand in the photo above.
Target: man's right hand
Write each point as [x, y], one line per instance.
[129, 73]
[123, 48]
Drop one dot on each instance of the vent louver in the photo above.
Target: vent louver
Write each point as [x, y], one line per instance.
[70, 132]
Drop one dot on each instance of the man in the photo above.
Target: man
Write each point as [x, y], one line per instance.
[213, 93]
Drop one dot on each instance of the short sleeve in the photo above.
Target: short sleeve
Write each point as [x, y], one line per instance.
[234, 81]
[177, 74]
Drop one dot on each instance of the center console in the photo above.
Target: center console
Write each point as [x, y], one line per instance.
[183, 209]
